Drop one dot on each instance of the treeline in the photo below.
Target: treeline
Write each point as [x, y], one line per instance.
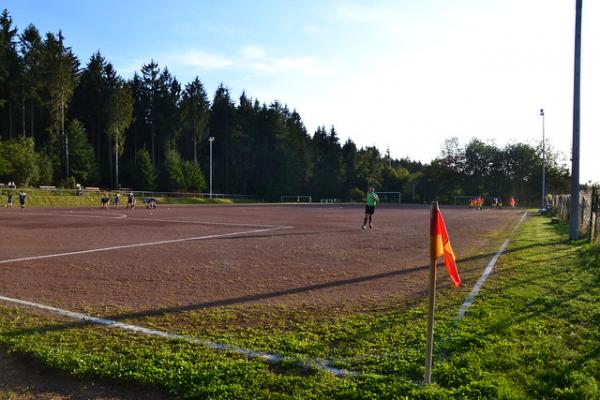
[62, 123]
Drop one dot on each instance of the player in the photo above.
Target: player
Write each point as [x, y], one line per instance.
[104, 200]
[150, 203]
[9, 200]
[117, 199]
[22, 199]
[372, 200]
[130, 201]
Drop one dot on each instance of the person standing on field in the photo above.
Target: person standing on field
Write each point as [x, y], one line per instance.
[130, 201]
[22, 199]
[372, 200]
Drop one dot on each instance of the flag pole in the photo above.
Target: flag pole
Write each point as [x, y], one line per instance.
[431, 295]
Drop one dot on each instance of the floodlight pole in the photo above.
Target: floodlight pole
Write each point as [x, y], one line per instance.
[67, 155]
[116, 160]
[574, 207]
[543, 159]
[210, 140]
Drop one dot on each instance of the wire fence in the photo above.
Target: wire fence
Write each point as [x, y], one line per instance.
[97, 192]
[589, 208]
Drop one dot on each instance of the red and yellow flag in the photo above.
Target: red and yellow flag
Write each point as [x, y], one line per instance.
[440, 245]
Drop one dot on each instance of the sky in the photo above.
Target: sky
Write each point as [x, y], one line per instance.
[403, 74]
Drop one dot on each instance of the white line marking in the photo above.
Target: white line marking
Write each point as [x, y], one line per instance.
[82, 215]
[129, 246]
[202, 222]
[486, 272]
[273, 358]
[120, 216]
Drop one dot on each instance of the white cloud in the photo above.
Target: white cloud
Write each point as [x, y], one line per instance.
[251, 60]
[253, 51]
[310, 29]
[198, 59]
[358, 13]
[127, 67]
[255, 59]
[379, 18]
[307, 65]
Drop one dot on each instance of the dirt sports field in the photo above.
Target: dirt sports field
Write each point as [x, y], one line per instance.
[195, 257]
[124, 264]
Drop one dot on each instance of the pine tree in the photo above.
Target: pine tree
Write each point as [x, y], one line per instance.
[194, 114]
[223, 127]
[249, 148]
[90, 105]
[144, 177]
[194, 180]
[10, 74]
[31, 82]
[171, 172]
[148, 103]
[120, 114]
[82, 161]
[60, 77]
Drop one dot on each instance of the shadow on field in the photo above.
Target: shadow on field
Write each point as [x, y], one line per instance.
[266, 296]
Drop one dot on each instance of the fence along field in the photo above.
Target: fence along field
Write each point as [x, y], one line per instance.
[182, 262]
[589, 206]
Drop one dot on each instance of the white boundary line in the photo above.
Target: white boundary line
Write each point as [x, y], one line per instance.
[486, 272]
[129, 246]
[205, 222]
[122, 216]
[273, 358]
[82, 215]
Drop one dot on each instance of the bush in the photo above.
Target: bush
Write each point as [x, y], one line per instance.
[145, 178]
[171, 173]
[193, 177]
[19, 161]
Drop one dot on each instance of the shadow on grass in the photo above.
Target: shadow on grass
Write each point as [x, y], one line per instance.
[553, 291]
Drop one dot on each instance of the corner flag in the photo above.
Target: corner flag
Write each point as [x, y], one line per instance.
[440, 245]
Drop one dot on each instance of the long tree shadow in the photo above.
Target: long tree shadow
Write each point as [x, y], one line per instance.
[265, 296]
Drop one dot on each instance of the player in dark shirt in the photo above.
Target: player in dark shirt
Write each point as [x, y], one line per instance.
[22, 199]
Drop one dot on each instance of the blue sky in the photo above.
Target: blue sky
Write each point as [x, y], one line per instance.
[400, 74]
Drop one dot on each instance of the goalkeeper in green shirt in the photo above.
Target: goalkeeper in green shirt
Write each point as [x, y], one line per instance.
[372, 200]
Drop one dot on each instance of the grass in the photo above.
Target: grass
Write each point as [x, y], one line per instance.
[91, 199]
[533, 333]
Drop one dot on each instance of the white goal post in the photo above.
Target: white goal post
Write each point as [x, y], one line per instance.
[295, 199]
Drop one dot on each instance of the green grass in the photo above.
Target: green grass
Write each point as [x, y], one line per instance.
[91, 199]
[533, 333]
